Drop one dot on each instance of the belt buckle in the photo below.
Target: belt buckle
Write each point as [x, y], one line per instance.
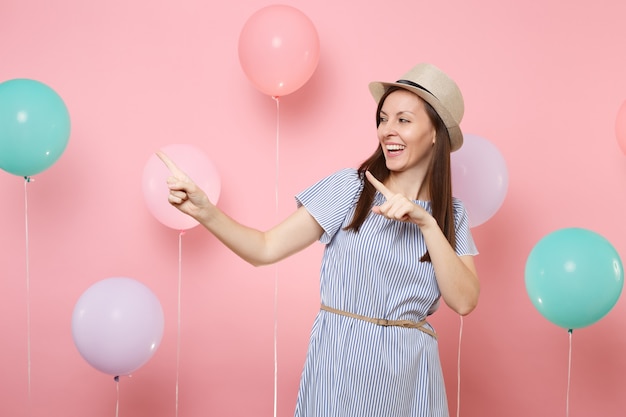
[383, 322]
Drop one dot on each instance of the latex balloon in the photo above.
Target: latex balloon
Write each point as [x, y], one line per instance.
[34, 127]
[117, 325]
[196, 164]
[278, 49]
[574, 277]
[480, 178]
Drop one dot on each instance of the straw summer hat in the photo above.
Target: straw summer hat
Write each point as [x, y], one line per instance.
[438, 90]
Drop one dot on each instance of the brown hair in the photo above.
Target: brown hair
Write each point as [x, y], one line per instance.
[438, 177]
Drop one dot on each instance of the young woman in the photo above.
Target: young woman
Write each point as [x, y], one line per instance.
[396, 242]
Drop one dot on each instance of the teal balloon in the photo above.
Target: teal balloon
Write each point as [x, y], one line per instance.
[34, 127]
[574, 277]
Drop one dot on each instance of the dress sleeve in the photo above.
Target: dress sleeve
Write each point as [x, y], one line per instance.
[331, 199]
[464, 241]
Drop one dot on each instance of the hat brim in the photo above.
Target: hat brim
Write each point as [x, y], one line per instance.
[378, 88]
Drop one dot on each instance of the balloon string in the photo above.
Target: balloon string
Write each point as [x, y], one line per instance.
[276, 341]
[569, 373]
[276, 98]
[458, 371]
[180, 263]
[28, 341]
[117, 388]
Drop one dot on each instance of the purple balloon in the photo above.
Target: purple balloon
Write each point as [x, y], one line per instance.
[117, 325]
[479, 178]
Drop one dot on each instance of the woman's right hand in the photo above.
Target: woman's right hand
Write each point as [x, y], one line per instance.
[291, 235]
[184, 194]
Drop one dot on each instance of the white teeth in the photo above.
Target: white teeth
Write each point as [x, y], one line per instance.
[395, 147]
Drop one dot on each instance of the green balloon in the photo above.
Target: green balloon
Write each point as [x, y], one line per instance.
[574, 277]
[34, 127]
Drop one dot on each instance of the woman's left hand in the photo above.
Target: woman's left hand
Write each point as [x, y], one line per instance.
[397, 206]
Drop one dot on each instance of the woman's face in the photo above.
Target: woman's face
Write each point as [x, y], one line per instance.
[405, 132]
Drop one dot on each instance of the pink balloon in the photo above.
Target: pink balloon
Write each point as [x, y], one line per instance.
[117, 325]
[620, 127]
[195, 163]
[479, 178]
[278, 49]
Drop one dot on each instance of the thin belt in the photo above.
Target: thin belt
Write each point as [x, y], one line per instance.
[420, 325]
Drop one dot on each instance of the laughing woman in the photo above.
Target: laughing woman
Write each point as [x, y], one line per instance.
[396, 242]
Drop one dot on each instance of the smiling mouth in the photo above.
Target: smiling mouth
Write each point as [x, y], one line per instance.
[395, 148]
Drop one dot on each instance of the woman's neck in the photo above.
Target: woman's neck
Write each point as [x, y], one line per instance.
[409, 184]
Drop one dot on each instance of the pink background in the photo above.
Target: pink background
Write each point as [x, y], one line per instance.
[542, 80]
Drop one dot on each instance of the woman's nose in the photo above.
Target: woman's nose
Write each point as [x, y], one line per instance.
[388, 129]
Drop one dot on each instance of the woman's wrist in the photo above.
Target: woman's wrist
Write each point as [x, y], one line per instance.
[427, 222]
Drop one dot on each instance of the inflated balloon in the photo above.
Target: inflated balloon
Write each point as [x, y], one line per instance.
[278, 49]
[480, 178]
[117, 325]
[196, 164]
[34, 127]
[574, 277]
[620, 127]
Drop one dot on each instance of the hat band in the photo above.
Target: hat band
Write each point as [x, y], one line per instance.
[412, 84]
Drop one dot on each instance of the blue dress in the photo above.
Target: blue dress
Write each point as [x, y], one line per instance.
[355, 368]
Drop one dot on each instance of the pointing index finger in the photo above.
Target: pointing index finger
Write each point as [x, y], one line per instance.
[378, 185]
[170, 165]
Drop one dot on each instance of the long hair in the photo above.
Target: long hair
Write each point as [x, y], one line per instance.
[438, 178]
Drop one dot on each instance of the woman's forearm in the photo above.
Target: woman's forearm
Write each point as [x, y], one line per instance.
[456, 276]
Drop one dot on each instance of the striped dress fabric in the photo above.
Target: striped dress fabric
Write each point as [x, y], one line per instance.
[355, 368]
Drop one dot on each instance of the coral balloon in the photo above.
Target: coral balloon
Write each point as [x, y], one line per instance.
[34, 127]
[574, 277]
[117, 325]
[195, 163]
[480, 178]
[620, 127]
[278, 49]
